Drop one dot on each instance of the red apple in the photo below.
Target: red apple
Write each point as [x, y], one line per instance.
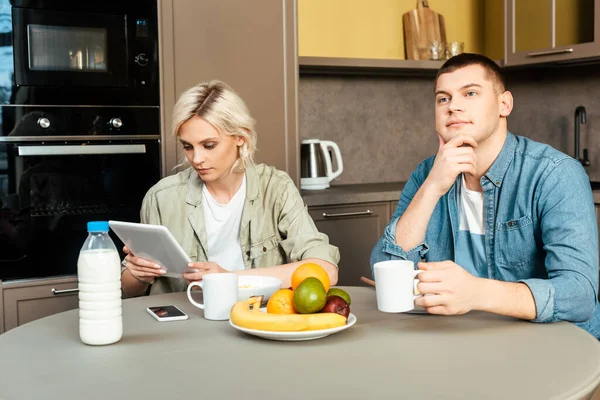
[335, 304]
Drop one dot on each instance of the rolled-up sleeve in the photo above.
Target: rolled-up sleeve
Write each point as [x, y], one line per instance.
[301, 238]
[570, 239]
[387, 248]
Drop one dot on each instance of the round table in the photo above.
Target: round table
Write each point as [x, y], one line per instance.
[474, 356]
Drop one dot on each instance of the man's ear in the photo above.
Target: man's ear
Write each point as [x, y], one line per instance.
[506, 103]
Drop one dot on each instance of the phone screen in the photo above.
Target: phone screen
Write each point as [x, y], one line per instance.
[167, 311]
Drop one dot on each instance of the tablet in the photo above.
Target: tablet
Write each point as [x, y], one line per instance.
[154, 243]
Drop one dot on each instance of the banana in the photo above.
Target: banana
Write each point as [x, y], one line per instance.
[252, 318]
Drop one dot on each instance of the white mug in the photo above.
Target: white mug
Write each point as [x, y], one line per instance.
[220, 294]
[395, 285]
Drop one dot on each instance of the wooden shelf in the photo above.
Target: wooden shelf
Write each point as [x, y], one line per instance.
[369, 66]
[366, 66]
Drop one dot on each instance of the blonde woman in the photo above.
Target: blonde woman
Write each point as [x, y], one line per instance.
[229, 214]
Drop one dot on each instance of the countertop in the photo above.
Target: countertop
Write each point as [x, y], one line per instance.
[349, 194]
[365, 193]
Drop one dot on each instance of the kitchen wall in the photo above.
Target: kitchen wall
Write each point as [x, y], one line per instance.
[373, 29]
[385, 125]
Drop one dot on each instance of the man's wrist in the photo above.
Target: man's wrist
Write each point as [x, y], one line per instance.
[481, 294]
[430, 191]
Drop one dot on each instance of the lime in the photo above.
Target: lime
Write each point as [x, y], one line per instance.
[339, 292]
[310, 296]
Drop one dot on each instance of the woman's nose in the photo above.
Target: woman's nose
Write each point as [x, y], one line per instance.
[198, 158]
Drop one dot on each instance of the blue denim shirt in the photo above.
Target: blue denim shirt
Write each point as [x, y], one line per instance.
[540, 229]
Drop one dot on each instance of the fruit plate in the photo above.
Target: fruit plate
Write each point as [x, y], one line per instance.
[296, 336]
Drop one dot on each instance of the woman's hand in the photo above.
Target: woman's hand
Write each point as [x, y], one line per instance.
[141, 269]
[203, 268]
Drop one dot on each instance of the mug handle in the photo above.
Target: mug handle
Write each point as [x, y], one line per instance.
[189, 294]
[416, 293]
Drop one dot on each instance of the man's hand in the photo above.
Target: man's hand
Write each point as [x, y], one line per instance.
[455, 157]
[451, 289]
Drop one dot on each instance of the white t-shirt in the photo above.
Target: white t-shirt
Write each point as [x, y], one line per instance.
[222, 223]
[470, 249]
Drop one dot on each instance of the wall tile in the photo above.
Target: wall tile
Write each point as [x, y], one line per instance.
[385, 125]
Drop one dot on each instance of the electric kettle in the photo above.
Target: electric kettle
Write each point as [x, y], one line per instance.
[316, 170]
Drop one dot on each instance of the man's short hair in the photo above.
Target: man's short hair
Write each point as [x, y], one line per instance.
[462, 60]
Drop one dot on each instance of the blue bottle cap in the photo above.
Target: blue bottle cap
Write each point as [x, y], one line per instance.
[97, 226]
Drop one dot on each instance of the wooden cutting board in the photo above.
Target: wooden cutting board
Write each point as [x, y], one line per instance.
[421, 27]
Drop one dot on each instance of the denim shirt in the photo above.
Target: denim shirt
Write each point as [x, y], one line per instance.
[540, 229]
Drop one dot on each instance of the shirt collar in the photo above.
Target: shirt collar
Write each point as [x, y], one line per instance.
[499, 167]
[195, 185]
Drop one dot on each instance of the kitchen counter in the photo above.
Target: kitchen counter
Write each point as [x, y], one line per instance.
[365, 193]
[350, 194]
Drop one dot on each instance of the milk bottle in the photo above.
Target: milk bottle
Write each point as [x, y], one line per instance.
[99, 274]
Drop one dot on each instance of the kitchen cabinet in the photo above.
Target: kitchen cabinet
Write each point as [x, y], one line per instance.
[541, 31]
[393, 206]
[26, 301]
[597, 206]
[249, 45]
[354, 229]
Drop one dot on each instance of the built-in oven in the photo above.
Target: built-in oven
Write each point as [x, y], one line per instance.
[49, 190]
[79, 125]
[94, 52]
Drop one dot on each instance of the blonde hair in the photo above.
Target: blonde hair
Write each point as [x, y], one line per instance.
[219, 105]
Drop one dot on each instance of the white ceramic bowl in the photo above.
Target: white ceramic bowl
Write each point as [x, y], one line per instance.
[249, 285]
[254, 285]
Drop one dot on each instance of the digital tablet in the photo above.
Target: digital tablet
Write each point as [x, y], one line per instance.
[154, 243]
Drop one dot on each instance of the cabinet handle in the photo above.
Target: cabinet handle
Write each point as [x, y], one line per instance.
[64, 291]
[549, 52]
[349, 214]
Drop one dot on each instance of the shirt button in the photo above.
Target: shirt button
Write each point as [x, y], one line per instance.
[264, 249]
[511, 223]
[248, 253]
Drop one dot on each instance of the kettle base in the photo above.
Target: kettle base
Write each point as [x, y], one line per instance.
[319, 183]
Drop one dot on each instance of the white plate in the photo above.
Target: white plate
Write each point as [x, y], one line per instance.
[295, 336]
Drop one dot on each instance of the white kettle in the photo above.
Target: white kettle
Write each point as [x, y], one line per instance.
[316, 165]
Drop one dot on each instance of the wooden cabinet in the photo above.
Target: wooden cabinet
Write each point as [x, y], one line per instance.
[598, 220]
[25, 301]
[250, 45]
[540, 31]
[354, 229]
[393, 206]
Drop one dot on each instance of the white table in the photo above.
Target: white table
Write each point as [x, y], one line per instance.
[476, 356]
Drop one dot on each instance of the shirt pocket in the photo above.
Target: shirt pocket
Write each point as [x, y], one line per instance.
[516, 246]
[266, 253]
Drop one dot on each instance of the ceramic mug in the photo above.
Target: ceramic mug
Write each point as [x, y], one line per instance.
[396, 285]
[220, 294]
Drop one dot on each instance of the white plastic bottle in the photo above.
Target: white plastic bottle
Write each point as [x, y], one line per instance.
[99, 274]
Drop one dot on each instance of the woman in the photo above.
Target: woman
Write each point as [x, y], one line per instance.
[229, 214]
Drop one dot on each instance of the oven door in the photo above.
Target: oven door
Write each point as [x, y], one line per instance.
[49, 191]
[62, 48]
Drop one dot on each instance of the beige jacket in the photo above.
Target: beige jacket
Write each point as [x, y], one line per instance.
[275, 227]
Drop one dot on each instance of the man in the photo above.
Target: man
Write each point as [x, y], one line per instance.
[495, 222]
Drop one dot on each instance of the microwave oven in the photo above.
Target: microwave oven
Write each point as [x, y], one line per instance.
[73, 52]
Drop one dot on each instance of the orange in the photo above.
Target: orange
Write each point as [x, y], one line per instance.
[281, 302]
[309, 270]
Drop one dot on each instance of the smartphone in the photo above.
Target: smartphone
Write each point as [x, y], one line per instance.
[167, 313]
